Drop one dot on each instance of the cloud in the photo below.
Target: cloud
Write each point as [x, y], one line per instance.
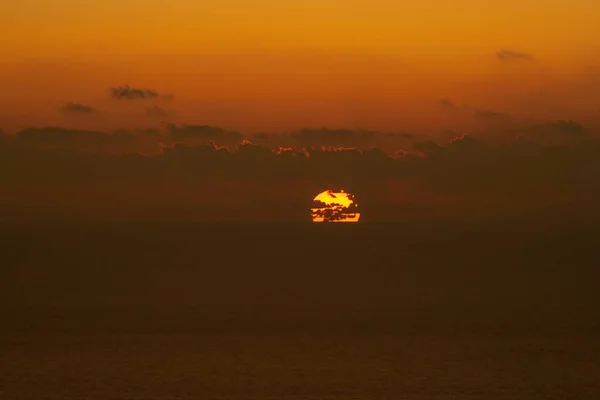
[452, 107]
[426, 146]
[490, 115]
[157, 112]
[400, 135]
[127, 92]
[149, 131]
[260, 136]
[494, 119]
[497, 126]
[350, 138]
[557, 132]
[447, 104]
[136, 133]
[464, 172]
[333, 137]
[58, 138]
[203, 134]
[77, 108]
[567, 128]
[511, 55]
[62, 135]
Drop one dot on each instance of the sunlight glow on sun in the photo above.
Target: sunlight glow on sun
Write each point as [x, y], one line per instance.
[329, 206]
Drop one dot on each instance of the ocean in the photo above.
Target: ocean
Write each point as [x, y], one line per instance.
[299, 311]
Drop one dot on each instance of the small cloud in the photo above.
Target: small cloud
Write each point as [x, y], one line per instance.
[203, 133]
[127, 92]
[334, 137]
[489, 115]
[149, 131]
[401, 135]
[287, 152]
[77, 108]
[511, 55]
[402, 154]
[447, 104]
[426, 146]
[566, 127]
[63, 136]
[260, 136]
[557, 131]
[157, 112]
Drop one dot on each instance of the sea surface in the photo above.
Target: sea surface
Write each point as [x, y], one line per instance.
[299, 311]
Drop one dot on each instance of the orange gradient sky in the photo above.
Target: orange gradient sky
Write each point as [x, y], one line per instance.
[272, 65]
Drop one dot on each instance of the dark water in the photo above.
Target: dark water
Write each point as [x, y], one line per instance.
[282, 311]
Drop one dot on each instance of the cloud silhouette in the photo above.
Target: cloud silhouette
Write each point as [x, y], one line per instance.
[157, 112]
[400, 135]
[77, 108]
[426, 146]
[149, 131]
[490, 115]
[87, 141]
[447, 104]
[561, 127]
[333, 137]
[260, 136]
[495, 120]
[517, 174]
[203, 134]
[127, 92]
[346, 138]
[511, 55]
[59, 135]
[557, 132]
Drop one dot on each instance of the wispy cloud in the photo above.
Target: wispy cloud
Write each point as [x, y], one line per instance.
[77, 108]
[127, 92]
[512, 55]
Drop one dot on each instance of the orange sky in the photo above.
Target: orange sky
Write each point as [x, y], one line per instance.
[268, 65]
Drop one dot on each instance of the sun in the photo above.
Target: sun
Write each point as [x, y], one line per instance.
[330, 206]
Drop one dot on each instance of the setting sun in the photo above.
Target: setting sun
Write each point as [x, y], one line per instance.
[329, 206]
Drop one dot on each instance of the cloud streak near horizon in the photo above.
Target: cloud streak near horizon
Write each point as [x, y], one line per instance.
[77, 108]
[520, 174]
[127, 92]
[512, 55]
